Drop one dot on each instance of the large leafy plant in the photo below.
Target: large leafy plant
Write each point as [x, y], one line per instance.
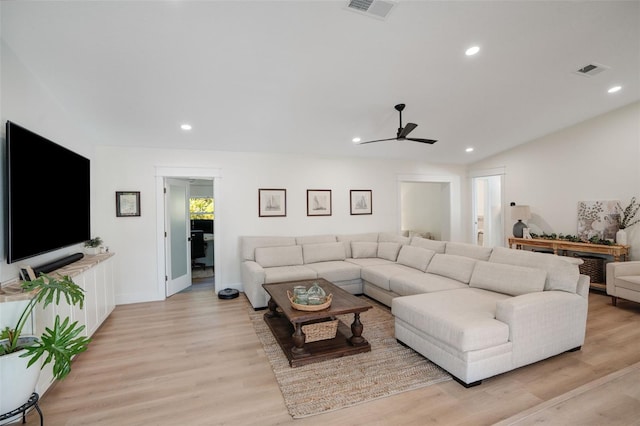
[60, 343]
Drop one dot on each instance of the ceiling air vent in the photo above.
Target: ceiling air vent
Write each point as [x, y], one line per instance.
[591, 70]
[379, 9]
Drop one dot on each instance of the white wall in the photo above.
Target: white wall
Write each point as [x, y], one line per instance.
[134, 238]
[598, 159]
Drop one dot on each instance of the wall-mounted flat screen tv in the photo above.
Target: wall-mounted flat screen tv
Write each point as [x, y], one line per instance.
[48, 195]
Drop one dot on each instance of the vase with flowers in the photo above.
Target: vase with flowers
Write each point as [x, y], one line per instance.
[626, 220]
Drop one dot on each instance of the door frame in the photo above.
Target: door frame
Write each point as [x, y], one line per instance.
[215, 175]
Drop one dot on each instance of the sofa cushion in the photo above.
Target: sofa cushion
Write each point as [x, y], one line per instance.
[388, 250]
[315, 239]
[379, 275]
[507, 279]
[361, 249]
[415, 257]
[458, 268]
[346, 240]
[384, 237]
[336, 271]
[561, 274]
[408, 284]
[461, 318]
[468, 250]
[249, 244]
[268, 257]
[279, 274]
[437, 246]
[323, 252]
[630, 282]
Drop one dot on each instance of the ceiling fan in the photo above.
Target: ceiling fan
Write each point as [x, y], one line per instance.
[403, 131]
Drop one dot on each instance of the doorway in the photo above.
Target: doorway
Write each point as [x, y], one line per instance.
[488, 218]
[430, 203]
[164, 247]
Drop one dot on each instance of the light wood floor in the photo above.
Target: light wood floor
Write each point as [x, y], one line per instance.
[195, 360]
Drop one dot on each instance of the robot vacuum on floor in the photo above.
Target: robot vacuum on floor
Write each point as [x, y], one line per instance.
[228, 293]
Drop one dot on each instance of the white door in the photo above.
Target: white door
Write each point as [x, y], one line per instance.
[178, 236]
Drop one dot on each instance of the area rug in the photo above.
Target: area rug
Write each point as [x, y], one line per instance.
[390, 368]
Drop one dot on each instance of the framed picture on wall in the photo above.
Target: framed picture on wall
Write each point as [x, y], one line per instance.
[318, 202]
[127, 203]
[361, 201]
[272, 202]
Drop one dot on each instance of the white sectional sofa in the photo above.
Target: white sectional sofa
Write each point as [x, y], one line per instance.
[474, 311]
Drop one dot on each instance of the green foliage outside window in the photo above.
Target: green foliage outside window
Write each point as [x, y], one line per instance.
[201, 208]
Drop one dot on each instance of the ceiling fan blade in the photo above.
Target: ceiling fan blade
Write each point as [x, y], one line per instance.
[407, 129]
[429, 141]
[378, 140]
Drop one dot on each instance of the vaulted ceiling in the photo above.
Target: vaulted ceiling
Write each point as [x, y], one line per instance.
[308, 76]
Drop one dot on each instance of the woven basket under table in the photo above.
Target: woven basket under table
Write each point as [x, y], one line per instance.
[322, 330]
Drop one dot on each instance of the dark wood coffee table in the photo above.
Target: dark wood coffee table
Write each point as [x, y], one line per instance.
[286, 323]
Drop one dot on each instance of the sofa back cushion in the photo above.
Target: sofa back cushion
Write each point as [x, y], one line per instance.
[388, 250]
[347, 239]
[249, 244]
[363, 249]
[452, 266]
[315, 239]
[268, 257]
[468, 250]
[384, 237]
[507, 279]
[415, 257]
[323, 252]
[436, 246]
[562, 274]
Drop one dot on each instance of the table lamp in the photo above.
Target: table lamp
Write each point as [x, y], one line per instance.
[520, 213]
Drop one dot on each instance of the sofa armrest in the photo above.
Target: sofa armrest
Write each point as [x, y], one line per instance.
[253, 277]
[620, 269]
[543, 324]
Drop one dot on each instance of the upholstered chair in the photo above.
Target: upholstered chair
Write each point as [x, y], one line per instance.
[623, 281]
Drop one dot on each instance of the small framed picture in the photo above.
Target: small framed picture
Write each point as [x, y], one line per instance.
[272, 202]
[127, 203]
[318, 202]
[361, 201]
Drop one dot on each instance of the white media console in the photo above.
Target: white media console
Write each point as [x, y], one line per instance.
[95, 275]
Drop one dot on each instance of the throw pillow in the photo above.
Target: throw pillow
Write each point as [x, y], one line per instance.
[363, 249]
[451, 266]
[388, 250]
[415, 257]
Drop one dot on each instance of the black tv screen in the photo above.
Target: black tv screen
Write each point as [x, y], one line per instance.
[48, 195]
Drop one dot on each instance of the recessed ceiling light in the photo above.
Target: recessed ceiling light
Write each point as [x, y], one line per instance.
[614, 89]
[472, 51]
[185, 126]
[355, 140]
[469, 149]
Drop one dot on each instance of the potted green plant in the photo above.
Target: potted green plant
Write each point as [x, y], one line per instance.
[92, 246]
[23, 356]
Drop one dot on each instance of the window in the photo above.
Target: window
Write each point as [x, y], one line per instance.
[201, 208]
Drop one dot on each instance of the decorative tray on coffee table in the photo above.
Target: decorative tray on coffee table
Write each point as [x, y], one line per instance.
[309, 308]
